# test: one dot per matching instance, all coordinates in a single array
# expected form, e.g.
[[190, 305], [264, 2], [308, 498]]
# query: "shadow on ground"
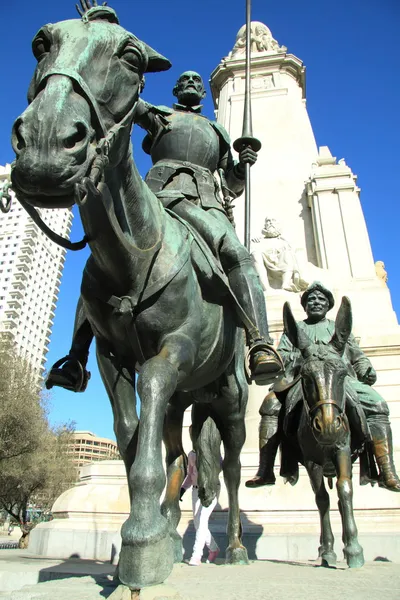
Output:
[[100, 571]]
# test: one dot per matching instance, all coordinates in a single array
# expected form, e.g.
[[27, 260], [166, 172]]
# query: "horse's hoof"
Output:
[[145, 564], [177, 546], [328, 559], [354, 561], [236, 556]]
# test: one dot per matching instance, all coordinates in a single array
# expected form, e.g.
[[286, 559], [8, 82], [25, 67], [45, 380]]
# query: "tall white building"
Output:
[[30, 273]]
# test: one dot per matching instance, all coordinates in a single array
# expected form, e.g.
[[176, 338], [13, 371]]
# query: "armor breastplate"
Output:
[[189, 137]]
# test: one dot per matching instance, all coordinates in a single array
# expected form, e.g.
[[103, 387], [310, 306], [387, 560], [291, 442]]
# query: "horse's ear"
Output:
[[157, 62], [343, 325], [297, 336]]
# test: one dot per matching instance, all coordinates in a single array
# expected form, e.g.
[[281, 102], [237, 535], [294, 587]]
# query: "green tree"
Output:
[[35, 467], [22, 411]]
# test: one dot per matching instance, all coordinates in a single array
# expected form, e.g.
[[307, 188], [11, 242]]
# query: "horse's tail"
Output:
[[208, 461]]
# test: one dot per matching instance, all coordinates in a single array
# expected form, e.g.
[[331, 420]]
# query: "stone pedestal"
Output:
[[88, 517]]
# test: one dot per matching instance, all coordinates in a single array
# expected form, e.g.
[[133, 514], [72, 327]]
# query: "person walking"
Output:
[[201, 515]]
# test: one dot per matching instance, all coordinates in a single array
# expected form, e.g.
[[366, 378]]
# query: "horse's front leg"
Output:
[[326, 552], [146, 555], [353, 552], [176, 462]]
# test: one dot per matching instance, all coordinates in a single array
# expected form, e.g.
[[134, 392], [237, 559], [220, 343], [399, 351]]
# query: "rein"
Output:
[[103, 150]]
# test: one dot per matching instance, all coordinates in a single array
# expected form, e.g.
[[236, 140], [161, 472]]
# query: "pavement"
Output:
[[77, 579]]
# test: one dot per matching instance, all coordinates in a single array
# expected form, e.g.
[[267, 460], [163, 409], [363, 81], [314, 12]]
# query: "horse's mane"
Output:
[[103, 12]]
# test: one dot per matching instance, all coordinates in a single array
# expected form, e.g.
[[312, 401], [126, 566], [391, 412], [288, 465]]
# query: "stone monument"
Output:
[[316, 199]]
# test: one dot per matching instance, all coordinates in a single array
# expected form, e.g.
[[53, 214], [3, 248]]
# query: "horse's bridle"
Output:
[[328, 402], [105, 145]]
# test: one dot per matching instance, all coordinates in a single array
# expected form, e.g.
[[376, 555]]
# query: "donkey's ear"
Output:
[[343, 325], [296, 335]]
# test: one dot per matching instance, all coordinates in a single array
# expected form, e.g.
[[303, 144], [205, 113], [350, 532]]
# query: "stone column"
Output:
[[278, 180], [281, 122], [342, 240]]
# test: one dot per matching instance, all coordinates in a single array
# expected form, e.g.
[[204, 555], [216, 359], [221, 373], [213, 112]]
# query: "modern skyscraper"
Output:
[[30, 273]]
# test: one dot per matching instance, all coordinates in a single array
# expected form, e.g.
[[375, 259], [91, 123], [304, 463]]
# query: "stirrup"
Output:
[[263, 378], [60, 377]]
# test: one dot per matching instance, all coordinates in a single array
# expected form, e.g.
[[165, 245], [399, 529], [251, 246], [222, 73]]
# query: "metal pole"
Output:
[[247, 139]]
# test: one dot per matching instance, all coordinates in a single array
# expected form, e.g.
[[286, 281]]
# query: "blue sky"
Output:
[[351, 50]]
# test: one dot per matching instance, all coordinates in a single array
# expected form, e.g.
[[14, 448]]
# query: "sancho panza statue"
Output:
[[187, 149], [317, 300]]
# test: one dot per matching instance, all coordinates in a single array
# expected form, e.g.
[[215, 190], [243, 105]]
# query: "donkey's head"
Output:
[[323, 375], [81, 101]]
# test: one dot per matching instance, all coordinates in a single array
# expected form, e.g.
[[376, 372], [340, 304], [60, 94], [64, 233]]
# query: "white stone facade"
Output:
[[30, 272], [316, 199]]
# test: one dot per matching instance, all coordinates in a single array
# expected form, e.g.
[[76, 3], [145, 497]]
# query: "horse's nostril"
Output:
[[338, 422], [79, 135], [17, 139], [317, 424]]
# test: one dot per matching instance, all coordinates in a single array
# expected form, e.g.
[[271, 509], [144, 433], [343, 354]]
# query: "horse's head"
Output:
[[81, 99], [323, 375]]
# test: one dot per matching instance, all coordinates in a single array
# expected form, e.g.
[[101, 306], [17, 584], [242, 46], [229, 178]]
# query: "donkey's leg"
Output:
[[352, 550], [176, 462], [325, 551], [230, 411], [146, 555]]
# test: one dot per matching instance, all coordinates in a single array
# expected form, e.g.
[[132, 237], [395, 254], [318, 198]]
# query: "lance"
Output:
[[247, 140]]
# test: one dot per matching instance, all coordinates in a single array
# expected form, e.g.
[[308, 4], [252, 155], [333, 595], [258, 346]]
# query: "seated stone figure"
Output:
[[275, 260], [317, 301]]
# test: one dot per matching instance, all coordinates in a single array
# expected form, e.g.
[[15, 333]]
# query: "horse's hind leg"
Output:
[[120, 387], [353, 552], [176, 463], [325, 551], [230, 411]]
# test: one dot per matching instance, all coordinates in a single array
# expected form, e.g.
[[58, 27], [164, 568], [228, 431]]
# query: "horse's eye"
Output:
[[132, 58], [40, 46]]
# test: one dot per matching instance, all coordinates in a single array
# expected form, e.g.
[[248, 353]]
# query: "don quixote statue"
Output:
[[167, 289]]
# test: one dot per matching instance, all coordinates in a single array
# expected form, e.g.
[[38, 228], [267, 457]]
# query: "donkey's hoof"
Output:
[[355, 560], [236, 556], [145, 564], [328, 559]]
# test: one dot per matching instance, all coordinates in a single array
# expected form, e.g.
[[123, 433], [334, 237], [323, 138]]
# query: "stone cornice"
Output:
[[265, 64]]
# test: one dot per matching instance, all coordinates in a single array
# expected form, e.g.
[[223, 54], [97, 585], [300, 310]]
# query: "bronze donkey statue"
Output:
[[323, 439]]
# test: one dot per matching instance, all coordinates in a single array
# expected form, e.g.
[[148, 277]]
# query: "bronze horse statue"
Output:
[[323, 440], [147, 290]]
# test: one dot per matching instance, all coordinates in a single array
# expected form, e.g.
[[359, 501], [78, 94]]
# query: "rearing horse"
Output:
[[144, 286]]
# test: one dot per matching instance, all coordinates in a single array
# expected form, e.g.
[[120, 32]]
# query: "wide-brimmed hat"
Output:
[[317, 285]]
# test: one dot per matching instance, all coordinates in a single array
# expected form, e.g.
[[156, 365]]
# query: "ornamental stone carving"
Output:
[[381, 272], [276, 261], [260, 38]]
